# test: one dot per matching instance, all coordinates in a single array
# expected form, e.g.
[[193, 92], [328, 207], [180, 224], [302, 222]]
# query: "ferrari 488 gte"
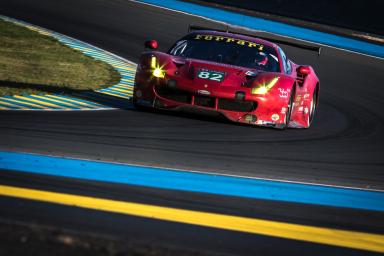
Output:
[[245, 78]]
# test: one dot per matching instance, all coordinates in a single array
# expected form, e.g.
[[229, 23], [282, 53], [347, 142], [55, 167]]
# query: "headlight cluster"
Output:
[[264, 87], [157, 71]]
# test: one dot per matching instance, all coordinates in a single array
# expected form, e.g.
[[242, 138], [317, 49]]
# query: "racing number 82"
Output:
[[215, 76]]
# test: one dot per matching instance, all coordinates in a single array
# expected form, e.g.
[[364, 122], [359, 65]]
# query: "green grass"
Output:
[[32, 63]]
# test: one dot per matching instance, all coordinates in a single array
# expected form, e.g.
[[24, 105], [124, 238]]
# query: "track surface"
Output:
[[187, 238], [344, 147]]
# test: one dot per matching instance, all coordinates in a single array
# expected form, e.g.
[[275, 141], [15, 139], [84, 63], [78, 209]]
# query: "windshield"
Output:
[[227, 50]]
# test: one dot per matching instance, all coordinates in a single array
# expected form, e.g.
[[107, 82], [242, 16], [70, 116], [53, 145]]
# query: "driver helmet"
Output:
[[261, 58]]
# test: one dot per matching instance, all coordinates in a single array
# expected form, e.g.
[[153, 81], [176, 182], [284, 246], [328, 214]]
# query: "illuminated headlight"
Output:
[[265, 87], [158, 72], [259, 90], [153, 62]]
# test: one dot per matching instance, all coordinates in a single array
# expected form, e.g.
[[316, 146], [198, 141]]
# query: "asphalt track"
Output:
[[344, 147]]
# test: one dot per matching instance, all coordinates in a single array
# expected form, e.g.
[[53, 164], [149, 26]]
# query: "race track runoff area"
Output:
[[94, 100]]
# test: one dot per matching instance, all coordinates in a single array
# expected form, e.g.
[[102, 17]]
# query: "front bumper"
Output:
[[252, 109], [243, 111]]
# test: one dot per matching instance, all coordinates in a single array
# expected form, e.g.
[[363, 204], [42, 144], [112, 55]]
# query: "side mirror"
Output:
[[151, 44], [304, 70]]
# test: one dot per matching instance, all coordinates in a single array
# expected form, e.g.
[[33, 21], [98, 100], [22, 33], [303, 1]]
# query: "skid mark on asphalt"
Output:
[[83, 101]]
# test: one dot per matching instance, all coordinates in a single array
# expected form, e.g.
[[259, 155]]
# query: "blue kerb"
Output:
[[193, 182]]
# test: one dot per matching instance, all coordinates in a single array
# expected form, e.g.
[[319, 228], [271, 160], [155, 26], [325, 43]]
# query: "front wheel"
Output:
[[289, 109], [136, 105], [312, 107]]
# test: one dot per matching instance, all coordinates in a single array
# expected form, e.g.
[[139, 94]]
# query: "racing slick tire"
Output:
[[289, 108], [313, 106], [136, 105]]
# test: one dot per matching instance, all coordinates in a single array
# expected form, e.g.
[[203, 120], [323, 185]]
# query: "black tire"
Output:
[[289, 108], [142, 107], [313, 106], [137, 106]]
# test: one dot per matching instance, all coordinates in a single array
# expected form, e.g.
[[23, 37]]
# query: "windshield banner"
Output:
[[229, 40]]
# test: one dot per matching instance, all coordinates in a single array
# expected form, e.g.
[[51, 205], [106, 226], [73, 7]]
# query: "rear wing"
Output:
[[277, 41]]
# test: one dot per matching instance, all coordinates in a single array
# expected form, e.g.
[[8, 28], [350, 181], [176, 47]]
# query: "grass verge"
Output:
[[32, 63]]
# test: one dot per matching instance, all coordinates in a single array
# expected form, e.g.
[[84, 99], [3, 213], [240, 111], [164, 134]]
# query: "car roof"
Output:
[[234, 35]]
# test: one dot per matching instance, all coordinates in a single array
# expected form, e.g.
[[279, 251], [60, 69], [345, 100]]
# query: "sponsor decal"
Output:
[[275, 117], [284, 92], [229, 40], [283, 110], [203, 92], [250, 118], [306, 96]]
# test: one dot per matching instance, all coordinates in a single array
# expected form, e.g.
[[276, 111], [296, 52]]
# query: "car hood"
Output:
[[233, 76]]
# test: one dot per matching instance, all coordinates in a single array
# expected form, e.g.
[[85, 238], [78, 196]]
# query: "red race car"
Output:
[[245, 78]]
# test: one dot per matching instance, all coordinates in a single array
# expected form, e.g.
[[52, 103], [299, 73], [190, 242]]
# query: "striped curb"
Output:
[[116, 96]]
